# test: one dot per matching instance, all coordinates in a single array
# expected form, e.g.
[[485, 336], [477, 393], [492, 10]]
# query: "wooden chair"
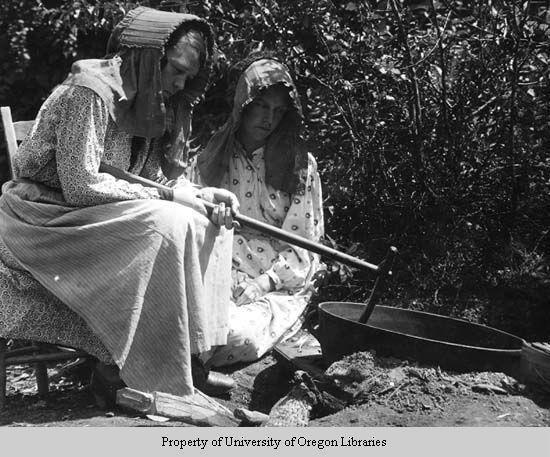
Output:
[[33, 352], [14, 132]]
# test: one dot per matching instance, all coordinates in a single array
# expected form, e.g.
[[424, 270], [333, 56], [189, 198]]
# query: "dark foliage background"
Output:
[[430, 121]]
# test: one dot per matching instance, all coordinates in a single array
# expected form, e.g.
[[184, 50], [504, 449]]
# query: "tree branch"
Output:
[[416, 106], [443, 68]]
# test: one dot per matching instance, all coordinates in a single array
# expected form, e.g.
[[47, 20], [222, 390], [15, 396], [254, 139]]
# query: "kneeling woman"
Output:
[[258, 156]]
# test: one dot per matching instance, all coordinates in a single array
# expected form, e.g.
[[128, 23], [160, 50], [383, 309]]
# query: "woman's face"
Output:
[[182, 64], [263, 114]]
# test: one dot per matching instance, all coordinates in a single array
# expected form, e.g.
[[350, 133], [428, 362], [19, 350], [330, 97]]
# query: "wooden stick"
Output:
[[385, 270], [196, 409], [3, 350], [250, 417], [262, 227], [20, 360]]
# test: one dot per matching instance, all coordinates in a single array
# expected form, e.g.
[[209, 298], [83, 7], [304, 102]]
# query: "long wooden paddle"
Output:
[[381, 270]]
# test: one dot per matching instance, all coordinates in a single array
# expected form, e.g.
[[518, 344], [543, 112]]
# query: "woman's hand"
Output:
[[194, 199], [227, 205], [250, 291], [187, 196], [216, 195]]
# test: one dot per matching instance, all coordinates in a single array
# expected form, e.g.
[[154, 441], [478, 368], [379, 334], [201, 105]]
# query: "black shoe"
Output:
[[104, 384], [218, 384], [210, 382]]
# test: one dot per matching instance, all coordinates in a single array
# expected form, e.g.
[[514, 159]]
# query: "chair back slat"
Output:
[[22, 128], [14, 132]]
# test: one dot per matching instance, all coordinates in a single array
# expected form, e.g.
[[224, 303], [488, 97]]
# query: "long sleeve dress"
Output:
[[256, 327], [148, 276]]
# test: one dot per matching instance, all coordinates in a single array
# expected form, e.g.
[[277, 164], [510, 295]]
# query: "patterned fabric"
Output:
[[149, 277], [73, 133], [256, 327], [29, 311]]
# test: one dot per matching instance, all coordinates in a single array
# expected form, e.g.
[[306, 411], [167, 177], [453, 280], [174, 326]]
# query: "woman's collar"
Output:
[[240, 148]]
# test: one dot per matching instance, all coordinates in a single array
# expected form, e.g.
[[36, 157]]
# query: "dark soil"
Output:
[[392, 392], [72, 400]]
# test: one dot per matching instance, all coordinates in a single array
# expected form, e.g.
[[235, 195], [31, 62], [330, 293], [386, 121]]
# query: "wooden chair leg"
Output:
[[41, 373], [3, 349]]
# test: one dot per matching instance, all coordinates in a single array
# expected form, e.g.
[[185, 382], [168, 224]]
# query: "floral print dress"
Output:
[[258, 326], [73, 133]]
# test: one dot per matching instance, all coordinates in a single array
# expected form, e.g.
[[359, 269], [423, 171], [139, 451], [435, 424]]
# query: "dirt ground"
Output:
[[383, 392], [392, 392]]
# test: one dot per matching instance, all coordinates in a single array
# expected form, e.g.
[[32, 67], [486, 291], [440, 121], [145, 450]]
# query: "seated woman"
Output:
[[109, 250], [258, 156]]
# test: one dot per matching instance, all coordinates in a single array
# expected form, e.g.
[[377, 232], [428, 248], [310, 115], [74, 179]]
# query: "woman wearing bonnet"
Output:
[[259, 156], [146, 270]]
